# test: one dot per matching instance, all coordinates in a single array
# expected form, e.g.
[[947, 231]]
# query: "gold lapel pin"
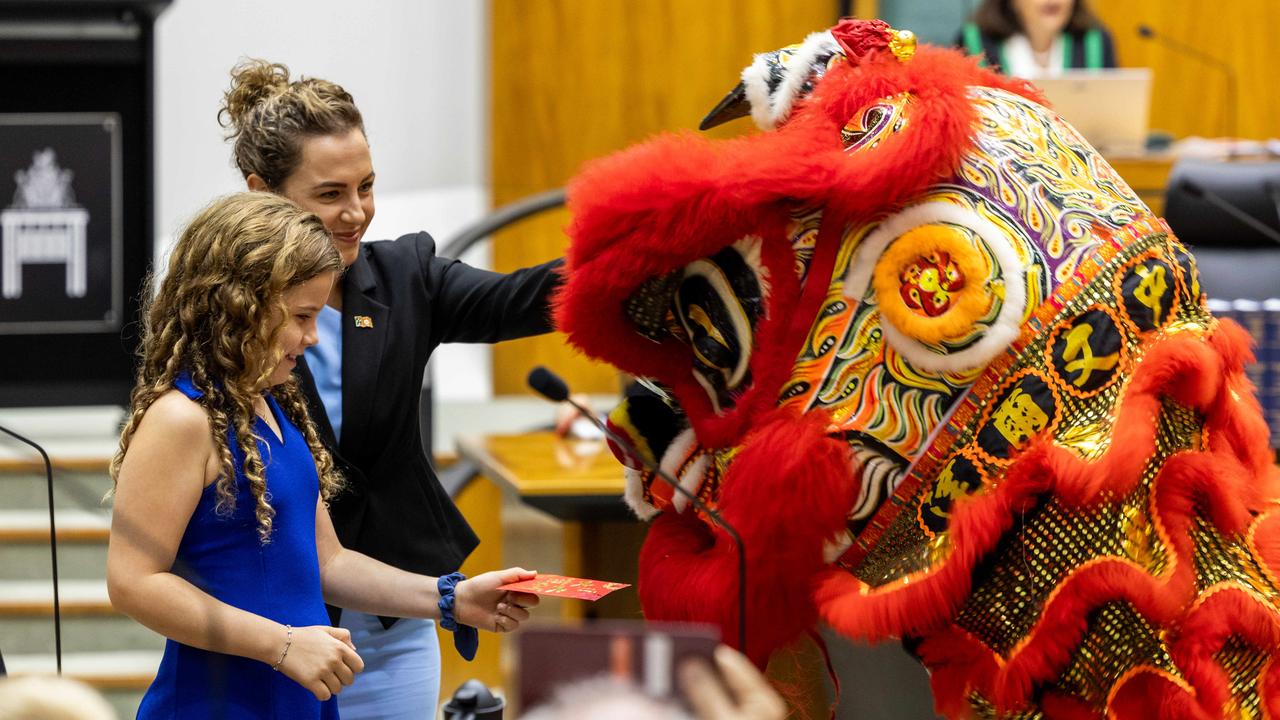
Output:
[[363, 321]]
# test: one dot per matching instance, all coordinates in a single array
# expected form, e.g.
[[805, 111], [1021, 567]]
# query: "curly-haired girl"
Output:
[[220, 539]]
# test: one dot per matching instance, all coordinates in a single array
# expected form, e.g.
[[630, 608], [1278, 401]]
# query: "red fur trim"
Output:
[[1213, 483], [1265, 540], [786, 493], [1186, 483], [1269, 689], [1239, 417], [1063, 707], [1048, 648], [1223, 612], [1148, 693], [953, 656]]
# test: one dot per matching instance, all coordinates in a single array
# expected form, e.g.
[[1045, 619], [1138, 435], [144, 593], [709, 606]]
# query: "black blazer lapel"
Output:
[[364, 332]]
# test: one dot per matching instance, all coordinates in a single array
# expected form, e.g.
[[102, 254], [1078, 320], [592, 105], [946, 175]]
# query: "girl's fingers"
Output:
[[524, 600], [515, 612]]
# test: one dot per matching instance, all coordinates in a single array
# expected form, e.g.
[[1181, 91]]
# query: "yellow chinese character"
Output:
[[1077, 346], [1018, 418], [1152, 288], [947, 488]]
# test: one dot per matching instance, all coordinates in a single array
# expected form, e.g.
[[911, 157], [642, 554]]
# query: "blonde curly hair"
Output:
[[217, 315]]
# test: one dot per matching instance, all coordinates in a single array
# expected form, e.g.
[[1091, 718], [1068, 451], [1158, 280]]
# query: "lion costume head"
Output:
[[948, 377]]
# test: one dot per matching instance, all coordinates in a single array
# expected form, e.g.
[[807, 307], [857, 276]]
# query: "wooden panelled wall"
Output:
[[1189, 97], [573, 80]]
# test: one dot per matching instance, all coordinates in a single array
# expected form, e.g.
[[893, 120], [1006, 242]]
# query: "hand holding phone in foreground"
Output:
[[744, 695]]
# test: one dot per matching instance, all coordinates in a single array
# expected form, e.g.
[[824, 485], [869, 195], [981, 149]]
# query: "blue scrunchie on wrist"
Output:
[[466, 639]]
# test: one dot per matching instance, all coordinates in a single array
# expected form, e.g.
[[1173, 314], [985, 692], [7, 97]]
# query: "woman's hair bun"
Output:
[[253, 82]]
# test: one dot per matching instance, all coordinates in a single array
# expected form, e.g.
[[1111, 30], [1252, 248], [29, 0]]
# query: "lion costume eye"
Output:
[[875, 122], [948, 283], [718, 303]]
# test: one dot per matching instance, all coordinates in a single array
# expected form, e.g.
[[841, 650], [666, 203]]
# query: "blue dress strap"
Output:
[[187, 386]]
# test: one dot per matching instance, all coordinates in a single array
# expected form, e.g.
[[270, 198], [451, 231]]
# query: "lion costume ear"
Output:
[[773, 83]]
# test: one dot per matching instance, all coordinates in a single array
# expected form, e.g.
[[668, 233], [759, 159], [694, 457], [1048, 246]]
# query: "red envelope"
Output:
[[561, 586]]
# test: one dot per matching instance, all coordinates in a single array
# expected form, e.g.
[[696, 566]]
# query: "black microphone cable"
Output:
[[53, 544], [552, 387]]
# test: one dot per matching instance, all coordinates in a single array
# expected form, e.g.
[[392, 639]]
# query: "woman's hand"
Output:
[[480, 604], [321, 659]]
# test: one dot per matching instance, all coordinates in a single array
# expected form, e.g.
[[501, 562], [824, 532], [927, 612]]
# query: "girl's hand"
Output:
[[321, 659], [482, 605]]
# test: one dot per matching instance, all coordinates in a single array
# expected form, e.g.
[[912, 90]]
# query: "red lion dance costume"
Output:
[[950, 380]]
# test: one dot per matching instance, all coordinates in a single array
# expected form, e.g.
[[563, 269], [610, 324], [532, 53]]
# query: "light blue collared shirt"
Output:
[[325, 361]]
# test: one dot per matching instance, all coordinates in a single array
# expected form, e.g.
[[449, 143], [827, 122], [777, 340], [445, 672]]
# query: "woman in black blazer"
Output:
[[397, 301], [1035, 38]]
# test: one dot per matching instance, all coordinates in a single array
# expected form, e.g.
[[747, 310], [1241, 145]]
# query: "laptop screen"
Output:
[[1110, 108]]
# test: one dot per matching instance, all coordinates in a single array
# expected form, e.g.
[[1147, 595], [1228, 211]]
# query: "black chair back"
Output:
[[1198, 189], [1202, 205]]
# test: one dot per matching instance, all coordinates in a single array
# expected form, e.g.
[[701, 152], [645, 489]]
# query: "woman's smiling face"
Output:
[[335, 181]]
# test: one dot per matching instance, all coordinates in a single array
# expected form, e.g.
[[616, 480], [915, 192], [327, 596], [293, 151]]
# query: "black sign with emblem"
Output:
[[60, 223]]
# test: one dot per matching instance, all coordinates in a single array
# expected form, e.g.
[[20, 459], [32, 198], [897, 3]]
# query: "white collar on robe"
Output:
[[1021, 59]]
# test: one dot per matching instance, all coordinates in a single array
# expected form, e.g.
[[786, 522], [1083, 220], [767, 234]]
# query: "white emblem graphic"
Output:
[[44, 225]]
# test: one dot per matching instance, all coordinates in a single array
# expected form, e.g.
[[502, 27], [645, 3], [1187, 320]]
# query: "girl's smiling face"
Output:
[[298, 329]]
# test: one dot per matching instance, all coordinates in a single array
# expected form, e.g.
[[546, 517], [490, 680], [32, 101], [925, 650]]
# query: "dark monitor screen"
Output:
[[1198, 189]]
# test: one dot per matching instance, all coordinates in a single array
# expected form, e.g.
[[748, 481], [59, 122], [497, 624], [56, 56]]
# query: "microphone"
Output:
[[1200, 192], [53, 549], [552, 387], [1233, 95]]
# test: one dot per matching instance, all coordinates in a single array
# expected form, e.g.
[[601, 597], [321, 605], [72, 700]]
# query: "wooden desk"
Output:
[[571, 480], [579, 483]]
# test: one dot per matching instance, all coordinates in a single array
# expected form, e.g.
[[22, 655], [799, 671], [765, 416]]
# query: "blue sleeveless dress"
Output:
[[222, 555]]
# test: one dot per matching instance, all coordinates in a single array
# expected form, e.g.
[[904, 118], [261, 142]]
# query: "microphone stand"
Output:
[[53, 545], [1233, 92], [666, 477]]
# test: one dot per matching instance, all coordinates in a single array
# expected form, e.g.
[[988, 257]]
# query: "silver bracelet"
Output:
[[288, 640]]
